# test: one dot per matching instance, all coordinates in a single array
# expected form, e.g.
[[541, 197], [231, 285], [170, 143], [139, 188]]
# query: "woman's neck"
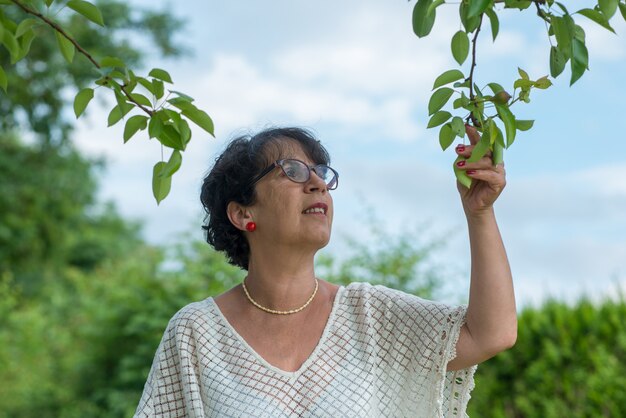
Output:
[[281, 283]]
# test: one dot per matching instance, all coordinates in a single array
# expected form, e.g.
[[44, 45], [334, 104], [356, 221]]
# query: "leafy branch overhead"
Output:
[[143, 102], [489, 108]]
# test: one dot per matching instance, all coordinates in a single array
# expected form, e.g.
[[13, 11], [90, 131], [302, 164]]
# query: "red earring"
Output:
[[250, 226]]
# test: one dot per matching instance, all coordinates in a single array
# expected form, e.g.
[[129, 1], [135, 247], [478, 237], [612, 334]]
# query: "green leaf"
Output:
[[498, 138], [182, 95], [462, 101], [446, 136], [495, 23], [141, 99], [434, 5], [608, 7], [557, 62], [622, 10], [476, 7], [469, 23], [81, 101], [579, 33], [184, 131], [171, 138], [146, 84], [11, 44], [117, 113], [200, 118], [563, 34], [24, 26], [155, 126], [524, 125], [509, 123], [458, 127], [3, 79], [597, 17], [439, 99], [438, 118], [161, 185], [181, 103], [498, 152], [523, 74], [580, 60], [159, 89], [523, 84], [112, 62], [495, 87], [517, 4], [49, 2], [134, 124], [543, 83], [86, 9], [66, 47], [173, 164], [481, 148], [25, 42], [460, 46], [562, 7], [160, 75], [423, 21], [461, 176]]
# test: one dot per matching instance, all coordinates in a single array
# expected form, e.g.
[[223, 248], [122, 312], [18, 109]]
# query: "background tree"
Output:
[[40, 83], [163, 113]]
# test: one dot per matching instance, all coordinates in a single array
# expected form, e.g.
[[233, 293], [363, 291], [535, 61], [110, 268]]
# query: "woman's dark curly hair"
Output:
[[230, 180]]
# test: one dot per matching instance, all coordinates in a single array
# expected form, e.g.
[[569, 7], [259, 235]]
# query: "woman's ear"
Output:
[[238, 215]]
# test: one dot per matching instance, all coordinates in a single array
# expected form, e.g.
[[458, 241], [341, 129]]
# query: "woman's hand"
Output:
[[488, 180]]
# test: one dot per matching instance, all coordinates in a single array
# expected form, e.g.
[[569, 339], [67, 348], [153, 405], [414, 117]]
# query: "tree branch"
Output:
[[473, 66], [80, 49]]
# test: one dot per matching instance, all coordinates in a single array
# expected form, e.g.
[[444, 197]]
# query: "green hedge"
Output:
[[569, 361]]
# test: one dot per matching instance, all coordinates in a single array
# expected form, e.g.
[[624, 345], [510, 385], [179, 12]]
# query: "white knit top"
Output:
[[383, 353]]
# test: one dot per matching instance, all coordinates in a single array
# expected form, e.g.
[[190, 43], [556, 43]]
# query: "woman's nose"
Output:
[[316, 183]]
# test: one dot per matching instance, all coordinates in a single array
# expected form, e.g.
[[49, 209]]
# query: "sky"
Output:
[[354, 73]]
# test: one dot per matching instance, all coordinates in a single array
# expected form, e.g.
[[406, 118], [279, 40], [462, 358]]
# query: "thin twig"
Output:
[[57, 28], [473, 66], [80, 49]]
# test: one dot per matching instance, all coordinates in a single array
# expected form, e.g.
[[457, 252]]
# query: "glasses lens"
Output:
[[295, 170], [327, 174], [299, 172]]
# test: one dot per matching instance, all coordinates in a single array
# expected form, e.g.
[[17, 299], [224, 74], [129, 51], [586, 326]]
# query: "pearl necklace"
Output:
[[272, 311]]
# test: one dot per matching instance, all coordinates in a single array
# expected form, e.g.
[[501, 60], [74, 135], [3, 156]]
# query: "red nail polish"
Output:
[[461, 163], [460, 148], [471, 172]]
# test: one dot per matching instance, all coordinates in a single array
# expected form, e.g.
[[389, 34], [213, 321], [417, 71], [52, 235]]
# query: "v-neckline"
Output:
[[267, 364]]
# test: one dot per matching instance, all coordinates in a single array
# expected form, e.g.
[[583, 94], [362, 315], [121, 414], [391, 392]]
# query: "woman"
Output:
[[287, 344]]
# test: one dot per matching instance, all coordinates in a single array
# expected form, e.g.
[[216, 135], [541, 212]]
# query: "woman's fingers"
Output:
[[465, 151], [472, 134], [485, 163], [496, 178]]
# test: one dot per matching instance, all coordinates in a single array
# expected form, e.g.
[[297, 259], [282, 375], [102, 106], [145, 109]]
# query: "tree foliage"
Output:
[[50, 217], [37, 35], [568, 361], [488, 108]]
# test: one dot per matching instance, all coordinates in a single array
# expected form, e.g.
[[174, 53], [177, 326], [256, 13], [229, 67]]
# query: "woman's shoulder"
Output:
[[362, 295], [364, 291], [192, 315]]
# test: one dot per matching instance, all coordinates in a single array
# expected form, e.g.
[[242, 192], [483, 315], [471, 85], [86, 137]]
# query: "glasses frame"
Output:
[[278, 163]]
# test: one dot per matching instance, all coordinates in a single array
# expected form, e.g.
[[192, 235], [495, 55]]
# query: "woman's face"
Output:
[[283, 208]]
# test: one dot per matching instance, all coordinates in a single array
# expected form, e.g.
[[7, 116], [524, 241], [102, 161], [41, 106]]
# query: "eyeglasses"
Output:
[[299, 172]]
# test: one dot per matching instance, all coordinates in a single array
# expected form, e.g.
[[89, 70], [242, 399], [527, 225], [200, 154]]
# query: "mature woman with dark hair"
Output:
[[285, 343]]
